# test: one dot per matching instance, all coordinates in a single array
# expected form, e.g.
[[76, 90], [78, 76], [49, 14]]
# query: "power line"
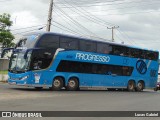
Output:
[[73, 21], [144, 5], [93, 2], [127, 37], [89, 16], [104, 4], [67, 21], [65, 27], [70, 30], [99, 20], [27, 27], [29, 30], [93, 34], [129, 13]]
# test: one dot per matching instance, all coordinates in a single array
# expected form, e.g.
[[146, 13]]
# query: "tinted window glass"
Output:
[[68, 43], [104, 48], [49, 41], [152, 55], [89, 46], [93, 68], [119, 50], [41, 59], [135, 53]]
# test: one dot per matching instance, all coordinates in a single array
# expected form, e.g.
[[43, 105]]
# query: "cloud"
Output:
[[138, 20], [24, 19]]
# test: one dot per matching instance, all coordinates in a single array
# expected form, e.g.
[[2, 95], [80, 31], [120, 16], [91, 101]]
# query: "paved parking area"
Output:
[[28, 99]]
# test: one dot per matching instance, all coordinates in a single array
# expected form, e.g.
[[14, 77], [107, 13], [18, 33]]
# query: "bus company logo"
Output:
[[91, 57], [141, 67]]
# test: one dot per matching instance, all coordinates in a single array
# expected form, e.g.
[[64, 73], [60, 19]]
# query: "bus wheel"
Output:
[[155, 89], [73, 84], [140, 86], [131, 86], [57, 84]]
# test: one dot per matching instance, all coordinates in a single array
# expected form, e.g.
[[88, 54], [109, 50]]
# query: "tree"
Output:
[[6, 37]]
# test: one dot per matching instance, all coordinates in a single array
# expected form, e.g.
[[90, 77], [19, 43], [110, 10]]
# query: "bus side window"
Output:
[[88, 46], [49, 41], [134, 53], [68, 43], [118, 50], [104, 48], [126, 51], [156, 56]]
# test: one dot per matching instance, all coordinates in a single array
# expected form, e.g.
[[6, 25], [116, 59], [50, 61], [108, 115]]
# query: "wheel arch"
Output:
[[132, 80]]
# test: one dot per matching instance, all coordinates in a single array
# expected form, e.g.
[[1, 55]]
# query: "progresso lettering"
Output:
[[90, 57]]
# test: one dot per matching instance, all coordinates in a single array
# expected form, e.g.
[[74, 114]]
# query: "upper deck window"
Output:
[[120, 50], [89, 46], [68, 43], [104, 48], [152, 55], [49, 41]]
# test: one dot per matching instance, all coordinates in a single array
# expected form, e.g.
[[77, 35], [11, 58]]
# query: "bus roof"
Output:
[[88, 39]]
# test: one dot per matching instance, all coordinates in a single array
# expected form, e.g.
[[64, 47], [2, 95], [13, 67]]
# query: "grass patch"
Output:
[[4, 72]]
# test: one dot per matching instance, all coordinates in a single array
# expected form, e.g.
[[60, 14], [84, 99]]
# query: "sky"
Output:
[[137, 22]]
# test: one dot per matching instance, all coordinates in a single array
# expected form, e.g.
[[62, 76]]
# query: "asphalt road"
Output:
[[14, 98]]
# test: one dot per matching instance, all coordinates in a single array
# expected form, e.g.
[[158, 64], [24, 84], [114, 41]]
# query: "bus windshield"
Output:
[[18, 63]]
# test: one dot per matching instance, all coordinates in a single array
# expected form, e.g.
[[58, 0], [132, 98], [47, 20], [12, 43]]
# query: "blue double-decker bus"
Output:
[[59, 61]]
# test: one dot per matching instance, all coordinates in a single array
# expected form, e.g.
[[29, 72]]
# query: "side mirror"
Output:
[[4, 51]]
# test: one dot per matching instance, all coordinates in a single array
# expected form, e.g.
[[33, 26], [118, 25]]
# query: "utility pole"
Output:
[[114, 27], [49, 16]]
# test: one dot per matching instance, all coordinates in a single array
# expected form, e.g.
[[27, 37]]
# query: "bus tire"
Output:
[[73, 84], [156, 89], [140, 86], [131, 86], [57, 84]]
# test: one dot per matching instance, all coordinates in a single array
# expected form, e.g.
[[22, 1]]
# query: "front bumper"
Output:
[[17, 82]]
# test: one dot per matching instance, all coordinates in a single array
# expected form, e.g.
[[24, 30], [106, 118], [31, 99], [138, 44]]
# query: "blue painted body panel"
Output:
[[45, 77]]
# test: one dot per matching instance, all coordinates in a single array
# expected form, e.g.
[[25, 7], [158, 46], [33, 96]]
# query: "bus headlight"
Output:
[[25, 77]]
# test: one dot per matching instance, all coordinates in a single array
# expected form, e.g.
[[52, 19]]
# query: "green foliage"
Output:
[[6, 37], [3, 72]]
